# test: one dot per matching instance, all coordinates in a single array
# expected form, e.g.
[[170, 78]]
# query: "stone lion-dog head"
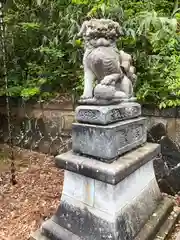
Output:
[[100, 32]]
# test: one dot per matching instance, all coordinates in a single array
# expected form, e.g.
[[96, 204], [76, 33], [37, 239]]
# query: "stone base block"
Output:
[[115, 209], [92, 209], [158, 220], [107, 114], [85, 222], [107, 197], [108, 142]]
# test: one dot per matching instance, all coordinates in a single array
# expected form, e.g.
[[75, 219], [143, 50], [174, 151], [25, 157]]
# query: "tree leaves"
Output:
[[43, 48]]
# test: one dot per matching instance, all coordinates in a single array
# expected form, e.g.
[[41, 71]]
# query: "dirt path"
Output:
[[35, 197]]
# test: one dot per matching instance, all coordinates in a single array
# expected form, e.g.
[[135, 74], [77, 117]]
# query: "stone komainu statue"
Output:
[[102, 61]]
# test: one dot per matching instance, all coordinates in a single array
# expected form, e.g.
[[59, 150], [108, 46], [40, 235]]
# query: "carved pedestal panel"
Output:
[[108, 142], [107, 114]]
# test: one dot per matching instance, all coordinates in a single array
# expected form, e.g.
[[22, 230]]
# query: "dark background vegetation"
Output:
[[44, 55]]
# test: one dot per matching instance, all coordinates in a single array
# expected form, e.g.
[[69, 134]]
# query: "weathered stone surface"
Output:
[[104, 196], [158, 226], [38, 236], [165, 131], [103, 102], [110, 173], [151, 229], [98, 210], [107, 114], [169, 224], [138, 211], [111, 198], [86, 187], [55, 232], [149, 110], [108, 142], [45, 135], [104, 62], [91, 223]]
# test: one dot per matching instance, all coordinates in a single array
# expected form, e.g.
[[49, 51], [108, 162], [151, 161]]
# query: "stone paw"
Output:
[[120, 94], [83, 97], [107, 81]]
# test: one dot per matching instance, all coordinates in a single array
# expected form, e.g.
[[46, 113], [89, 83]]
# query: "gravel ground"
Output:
[[34, 198]]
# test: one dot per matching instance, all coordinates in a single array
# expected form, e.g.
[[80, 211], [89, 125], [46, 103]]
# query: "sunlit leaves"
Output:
[[80, 1], [30, 92]]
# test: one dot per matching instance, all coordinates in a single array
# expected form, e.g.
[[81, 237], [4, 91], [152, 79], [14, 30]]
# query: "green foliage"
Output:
[[44, 55], [160, 83]]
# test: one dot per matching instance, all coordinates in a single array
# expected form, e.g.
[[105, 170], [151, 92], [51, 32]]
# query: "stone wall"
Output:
[[40, 127], [164, 128], [47, 128]]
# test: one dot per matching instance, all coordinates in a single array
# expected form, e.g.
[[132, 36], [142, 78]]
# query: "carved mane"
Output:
[[96, 28]]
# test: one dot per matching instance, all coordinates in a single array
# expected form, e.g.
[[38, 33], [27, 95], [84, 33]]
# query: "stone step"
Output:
[[37, 235], [57, 232], [157, 220], [148, 232], [168, 226]]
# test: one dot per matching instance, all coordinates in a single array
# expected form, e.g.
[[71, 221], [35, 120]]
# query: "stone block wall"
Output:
[[40, 127]]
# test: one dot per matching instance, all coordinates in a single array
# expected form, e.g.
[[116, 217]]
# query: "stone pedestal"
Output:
[[104, 131], [110, 190], [107, 114]]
